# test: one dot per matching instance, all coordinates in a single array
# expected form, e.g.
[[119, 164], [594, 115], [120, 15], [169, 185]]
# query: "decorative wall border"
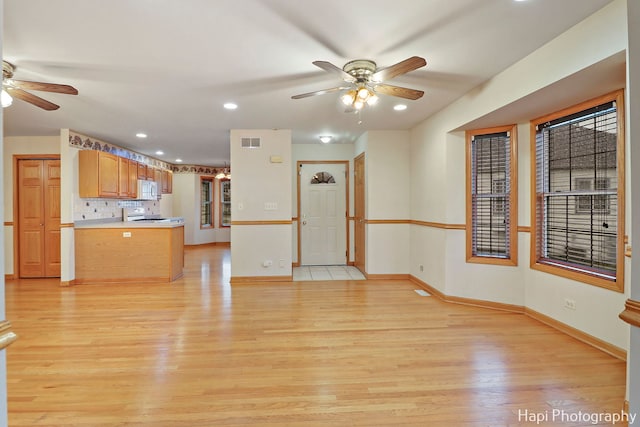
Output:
[[85, 142]]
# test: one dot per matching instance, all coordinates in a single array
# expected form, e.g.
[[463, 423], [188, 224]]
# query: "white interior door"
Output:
[[323, 223]]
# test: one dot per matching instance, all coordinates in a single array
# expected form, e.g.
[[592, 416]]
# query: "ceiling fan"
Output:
[[366, 81], [17, 89]]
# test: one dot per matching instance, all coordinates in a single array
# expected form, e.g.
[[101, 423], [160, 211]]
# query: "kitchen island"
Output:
[[120, 252]]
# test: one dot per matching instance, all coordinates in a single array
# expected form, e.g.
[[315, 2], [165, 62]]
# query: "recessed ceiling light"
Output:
[[159, 152], [178, 160], [141, 135], [400, 107], [325, 138], [230, 106]]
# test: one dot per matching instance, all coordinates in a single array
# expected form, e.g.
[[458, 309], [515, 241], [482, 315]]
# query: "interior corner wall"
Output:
[[633, 120], [19, 145], [261, 244], [388, 193], [438, 188]]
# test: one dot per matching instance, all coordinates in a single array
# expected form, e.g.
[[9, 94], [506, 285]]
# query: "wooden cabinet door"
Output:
[[133, 179], [123, 177], [142, 171], [167, 182], [39, 218], [107, 175]]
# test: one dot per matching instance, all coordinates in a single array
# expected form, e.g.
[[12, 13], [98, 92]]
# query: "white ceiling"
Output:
[[165, 67]]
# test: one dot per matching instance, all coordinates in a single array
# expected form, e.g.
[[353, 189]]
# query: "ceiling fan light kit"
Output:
[[12, 88], [366, 79]]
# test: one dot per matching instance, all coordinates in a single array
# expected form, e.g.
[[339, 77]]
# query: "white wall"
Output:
[[437, 151], [261, 204], [387, 197]]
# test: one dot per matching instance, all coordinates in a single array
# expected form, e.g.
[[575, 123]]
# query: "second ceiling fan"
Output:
[[366, 81]]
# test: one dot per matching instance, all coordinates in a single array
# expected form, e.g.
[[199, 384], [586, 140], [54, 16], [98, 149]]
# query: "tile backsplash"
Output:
[[84, 209]]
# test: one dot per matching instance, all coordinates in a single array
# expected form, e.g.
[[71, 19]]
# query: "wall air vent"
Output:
[[250, 142]]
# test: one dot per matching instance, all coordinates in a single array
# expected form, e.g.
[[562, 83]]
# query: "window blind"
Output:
[[577, 197], [490, 189]]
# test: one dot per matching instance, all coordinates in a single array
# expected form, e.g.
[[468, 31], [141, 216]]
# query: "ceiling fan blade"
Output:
[[401, 67], [319, 92], [328, 66], [45, 87], [32, 99], [401, 92]]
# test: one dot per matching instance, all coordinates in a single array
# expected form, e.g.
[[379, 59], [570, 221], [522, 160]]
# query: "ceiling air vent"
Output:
[[250, 142]]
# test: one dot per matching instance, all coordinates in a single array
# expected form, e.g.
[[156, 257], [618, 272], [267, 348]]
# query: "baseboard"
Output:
[[9, 276], [467, 301], [259, 279], [611, 349], [387, 276], [625, 407], [67, 283], [200, 245]]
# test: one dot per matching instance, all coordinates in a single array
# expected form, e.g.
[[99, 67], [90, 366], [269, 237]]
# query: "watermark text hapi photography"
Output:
[[563, 416]]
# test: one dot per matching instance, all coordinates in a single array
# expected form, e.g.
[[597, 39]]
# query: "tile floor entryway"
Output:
[[328, 272]]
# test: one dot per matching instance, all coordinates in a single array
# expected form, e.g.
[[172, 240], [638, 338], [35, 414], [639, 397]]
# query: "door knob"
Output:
[[304, 222]]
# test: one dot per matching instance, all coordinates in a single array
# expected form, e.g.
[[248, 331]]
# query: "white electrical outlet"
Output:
[[267, 263], [570, 303], [126, 234]]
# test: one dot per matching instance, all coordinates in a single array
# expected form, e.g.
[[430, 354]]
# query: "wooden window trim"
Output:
[[513, 198], [221, 204], [212, 181], [556, 268]]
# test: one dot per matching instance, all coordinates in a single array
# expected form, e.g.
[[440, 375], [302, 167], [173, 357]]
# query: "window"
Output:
[[206, 201], [578, 205], [225, 202], [492, 196]]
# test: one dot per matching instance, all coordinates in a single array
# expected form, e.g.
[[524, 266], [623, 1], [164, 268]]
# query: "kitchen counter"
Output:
[[158, 223], [130, 251]]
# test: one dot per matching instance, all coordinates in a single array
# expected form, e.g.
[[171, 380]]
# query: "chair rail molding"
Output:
[[631, 313], [7, 336]]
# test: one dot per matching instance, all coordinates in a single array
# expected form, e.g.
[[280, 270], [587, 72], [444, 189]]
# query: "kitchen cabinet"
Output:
[[142, 171], [157, 177], [123, 177], [133, 179], [167, 182], [152, 253], [98, 172]]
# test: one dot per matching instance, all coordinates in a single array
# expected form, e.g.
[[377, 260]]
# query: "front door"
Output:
[[359, 217], [39, 218], [323, 214]]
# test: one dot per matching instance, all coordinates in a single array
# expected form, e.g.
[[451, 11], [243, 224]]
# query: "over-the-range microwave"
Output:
[[147, 190]]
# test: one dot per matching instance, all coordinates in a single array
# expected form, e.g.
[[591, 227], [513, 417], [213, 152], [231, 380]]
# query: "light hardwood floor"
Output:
[[199, 352]]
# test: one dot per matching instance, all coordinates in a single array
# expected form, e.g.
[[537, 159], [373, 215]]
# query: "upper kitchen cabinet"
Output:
[[104, 175], [98, 172], [133, 179], [142, 171], [123, 177], [167, 182]]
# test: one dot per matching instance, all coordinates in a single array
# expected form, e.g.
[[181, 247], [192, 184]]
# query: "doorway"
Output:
[[322, 210], [38, 216]]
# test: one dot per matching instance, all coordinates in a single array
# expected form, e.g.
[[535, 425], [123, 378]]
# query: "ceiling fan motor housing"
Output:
[[361, 69]]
